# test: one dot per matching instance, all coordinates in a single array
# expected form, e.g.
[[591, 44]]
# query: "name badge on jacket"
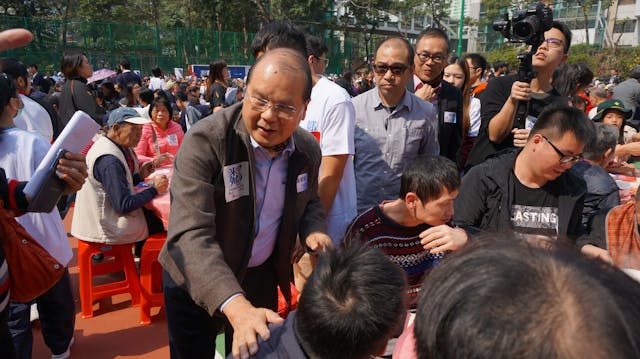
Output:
[[236, 181], [302, 183], [449, 117], [172, 139]]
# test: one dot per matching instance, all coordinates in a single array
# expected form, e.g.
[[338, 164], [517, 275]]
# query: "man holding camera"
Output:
[[498, 129]]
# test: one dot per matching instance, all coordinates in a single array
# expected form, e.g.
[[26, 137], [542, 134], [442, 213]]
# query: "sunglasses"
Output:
[[396, 69]]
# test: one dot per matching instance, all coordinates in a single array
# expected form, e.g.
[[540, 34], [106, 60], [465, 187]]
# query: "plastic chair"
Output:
[[151, 277], [116, 258]]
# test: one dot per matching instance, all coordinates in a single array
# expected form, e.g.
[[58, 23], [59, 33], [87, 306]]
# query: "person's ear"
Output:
[[411, 199]]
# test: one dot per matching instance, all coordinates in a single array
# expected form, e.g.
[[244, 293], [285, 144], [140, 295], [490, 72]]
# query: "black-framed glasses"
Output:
[[435, 58], [325, 60], [396, 69], [554, 43], [564, 159], [283, 112]]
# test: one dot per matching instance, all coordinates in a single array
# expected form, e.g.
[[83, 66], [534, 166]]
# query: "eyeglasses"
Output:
[[436, 59], [326, 61], [396, 69], [564, 159], [283, 112], [554, 43]]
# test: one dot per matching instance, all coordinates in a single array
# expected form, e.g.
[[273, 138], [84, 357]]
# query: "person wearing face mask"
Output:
[[500, 100]]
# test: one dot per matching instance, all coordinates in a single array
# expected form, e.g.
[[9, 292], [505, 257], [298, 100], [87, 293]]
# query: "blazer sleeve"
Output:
[[313, 218], [192, 243], [471, 204]]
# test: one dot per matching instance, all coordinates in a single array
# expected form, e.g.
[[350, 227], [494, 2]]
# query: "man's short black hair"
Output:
[[14, 68], [156, 71], [427, 176], [146, 95], [180, 95], [410, 51], [276, 34], [566, 32], [433, 32], [315, 47], [507, 298], [498, 64], [477, 60], [125, 64], [33, 65], [557, 120], [353, 301]]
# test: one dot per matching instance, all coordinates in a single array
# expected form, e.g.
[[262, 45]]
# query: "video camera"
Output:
[[527, 26]]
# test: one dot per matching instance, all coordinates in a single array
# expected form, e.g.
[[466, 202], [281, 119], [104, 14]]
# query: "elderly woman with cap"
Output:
[[108, 209]]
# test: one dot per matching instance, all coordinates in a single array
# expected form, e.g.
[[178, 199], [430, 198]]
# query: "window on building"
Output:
[[625, 26]]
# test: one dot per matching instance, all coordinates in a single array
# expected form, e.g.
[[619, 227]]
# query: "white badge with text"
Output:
[[236, 181], [449, 117], [172, 139], [302, 183]]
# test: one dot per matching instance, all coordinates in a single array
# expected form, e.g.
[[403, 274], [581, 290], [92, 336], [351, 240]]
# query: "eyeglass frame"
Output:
[[435, 58], [325, 59], [283, 112], [564, 159], [396, 69], [554, 40]]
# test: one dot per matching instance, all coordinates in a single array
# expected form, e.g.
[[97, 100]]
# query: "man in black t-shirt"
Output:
[[529, 190], [500, 100]]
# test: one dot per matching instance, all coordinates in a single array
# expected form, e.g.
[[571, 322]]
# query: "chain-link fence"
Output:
[[105, 44]]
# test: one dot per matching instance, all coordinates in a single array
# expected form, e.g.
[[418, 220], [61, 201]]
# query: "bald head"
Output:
[[287, 61], [398, 42]]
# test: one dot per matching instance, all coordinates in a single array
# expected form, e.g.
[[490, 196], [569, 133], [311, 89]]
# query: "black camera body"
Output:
[[527, 26]]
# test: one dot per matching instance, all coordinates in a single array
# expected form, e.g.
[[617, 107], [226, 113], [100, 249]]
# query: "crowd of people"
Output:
[[418, 215]]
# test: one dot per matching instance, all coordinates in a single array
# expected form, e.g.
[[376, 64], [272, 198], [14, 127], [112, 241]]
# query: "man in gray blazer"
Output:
[[245, 184]]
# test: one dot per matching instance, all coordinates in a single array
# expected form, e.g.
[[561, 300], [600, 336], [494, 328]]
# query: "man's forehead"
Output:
[[434, 43]]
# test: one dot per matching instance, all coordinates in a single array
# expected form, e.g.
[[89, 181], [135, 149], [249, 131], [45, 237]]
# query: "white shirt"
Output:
[[157, 83], [34, 118], [474, 117], [331, 115], [20, 155]]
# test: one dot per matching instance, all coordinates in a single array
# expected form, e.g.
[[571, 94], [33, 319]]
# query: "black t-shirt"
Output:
[[492, 100], [534, 210]]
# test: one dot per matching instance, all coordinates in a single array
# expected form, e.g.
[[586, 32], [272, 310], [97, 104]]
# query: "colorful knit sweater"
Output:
[[401, 244]]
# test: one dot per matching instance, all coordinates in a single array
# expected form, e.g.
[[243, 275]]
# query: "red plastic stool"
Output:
[[151, 276], [116, 258]]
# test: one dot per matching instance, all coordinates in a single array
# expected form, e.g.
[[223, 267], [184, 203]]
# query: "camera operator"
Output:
[[500, 99]]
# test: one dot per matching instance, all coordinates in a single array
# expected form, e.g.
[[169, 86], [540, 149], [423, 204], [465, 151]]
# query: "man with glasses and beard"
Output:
[[393, 126]]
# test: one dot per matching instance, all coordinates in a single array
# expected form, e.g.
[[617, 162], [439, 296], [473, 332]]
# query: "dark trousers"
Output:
[[6, 343], [192, 331], [57, 319]]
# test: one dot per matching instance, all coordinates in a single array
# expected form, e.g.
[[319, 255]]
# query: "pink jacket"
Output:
[[168, 141]]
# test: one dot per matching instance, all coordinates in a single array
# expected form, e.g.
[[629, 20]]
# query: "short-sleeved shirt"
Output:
[[386, 140], [330, 117]]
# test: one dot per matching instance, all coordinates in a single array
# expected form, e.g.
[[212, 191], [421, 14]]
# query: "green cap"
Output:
[[612, 104]]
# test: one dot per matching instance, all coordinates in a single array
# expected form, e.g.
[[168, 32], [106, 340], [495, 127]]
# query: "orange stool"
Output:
[[151, 276], [116, 258]]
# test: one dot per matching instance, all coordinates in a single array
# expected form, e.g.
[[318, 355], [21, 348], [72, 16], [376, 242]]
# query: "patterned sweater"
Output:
[[401, 244]]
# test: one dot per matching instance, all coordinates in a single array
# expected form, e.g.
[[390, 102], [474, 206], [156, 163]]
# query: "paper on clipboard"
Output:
[[74, 137]]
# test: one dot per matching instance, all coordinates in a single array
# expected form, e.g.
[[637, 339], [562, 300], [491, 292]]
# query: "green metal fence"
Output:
[[147, 46]]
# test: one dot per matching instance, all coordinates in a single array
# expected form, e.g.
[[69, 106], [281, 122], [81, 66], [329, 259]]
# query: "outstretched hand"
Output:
[[442, 238]]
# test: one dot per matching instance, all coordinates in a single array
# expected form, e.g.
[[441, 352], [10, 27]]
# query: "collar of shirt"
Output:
[[259, 149], [405, 102]]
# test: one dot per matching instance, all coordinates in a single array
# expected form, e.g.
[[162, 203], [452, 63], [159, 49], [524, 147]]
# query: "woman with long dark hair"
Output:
[[75, 94], [217, 83]]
